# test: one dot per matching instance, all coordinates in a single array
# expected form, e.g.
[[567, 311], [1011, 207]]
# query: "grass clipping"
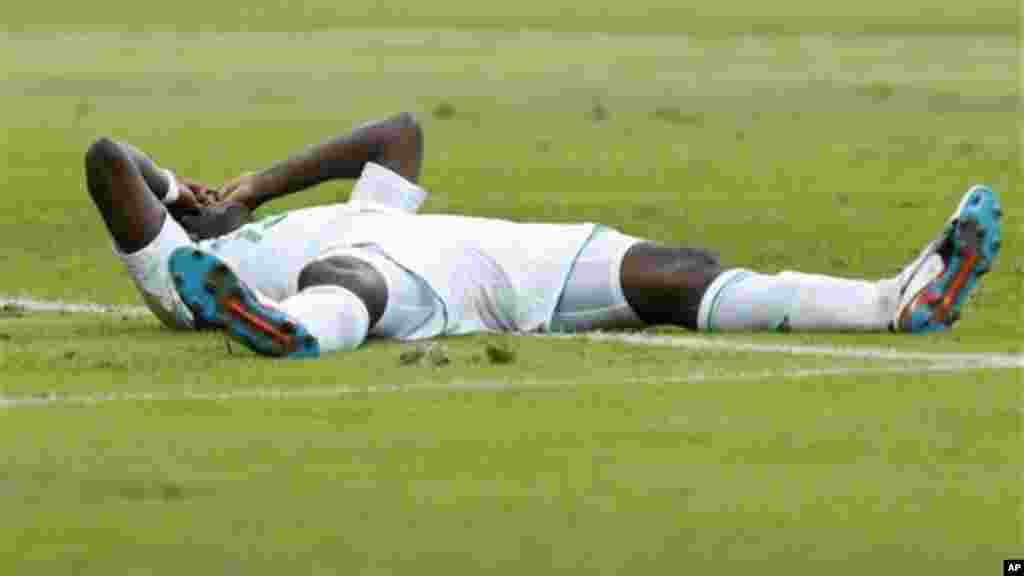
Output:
[[496, 351]]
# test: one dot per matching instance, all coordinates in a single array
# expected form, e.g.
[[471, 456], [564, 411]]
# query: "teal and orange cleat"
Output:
[[217, 296], [934, 287]]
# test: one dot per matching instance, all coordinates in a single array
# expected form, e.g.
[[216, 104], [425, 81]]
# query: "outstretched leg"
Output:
[[689, 288]]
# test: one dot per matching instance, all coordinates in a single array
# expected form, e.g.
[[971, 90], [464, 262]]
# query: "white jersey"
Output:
[[269, 253], [487, 274]]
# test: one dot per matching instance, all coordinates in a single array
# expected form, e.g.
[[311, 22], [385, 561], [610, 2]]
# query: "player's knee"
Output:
[[690, 272], [353, 274], [695, 270], [703, 262], [665, 285], [687, 267]]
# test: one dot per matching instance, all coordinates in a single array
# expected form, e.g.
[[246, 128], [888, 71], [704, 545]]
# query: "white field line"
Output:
[[50, 399], [33, 305], [991, 360], [978, 360]]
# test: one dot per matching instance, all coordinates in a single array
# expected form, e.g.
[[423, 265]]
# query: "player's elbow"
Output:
[[401, 148], [407, 119], [411, 129], [104, 158], [102, 152]]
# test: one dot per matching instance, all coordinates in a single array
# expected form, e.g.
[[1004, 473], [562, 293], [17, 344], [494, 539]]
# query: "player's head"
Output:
[[213, 221]]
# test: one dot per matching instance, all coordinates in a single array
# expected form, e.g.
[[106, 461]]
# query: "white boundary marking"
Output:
[[48, 399], [902, 362], [979, 359], [33, 305]]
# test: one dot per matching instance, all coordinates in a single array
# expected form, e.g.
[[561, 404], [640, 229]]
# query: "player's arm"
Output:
[[192, 203], [395, 142], [189, 195], [156, 178]]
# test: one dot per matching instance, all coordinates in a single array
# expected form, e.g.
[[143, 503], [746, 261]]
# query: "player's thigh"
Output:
[[593, 297], [665, 285]]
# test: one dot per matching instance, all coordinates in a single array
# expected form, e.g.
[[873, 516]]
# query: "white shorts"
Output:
[[591, 300], [149, 270]]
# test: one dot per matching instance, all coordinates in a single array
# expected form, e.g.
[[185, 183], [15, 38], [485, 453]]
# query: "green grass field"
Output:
[[787, 135]]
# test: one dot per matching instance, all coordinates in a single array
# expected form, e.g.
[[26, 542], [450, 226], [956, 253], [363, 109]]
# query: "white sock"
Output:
[[744, 300], [336, 317]]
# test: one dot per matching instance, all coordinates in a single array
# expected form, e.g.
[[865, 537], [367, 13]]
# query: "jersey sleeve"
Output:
[[380, 189]]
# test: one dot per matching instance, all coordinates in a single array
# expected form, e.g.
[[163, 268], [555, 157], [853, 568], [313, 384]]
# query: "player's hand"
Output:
[[193, 195], [214, 220], [203, 194], [242, 189], [186, 201]]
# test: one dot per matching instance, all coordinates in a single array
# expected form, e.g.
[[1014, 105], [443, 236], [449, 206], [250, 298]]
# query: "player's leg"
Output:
[[342, 298], [689, 288], [664, 285], [399, 305], [319, 318], [743, 300]]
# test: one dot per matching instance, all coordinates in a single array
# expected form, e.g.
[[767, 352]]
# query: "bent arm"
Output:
[[158, 179], [396, 143], [155, 177]]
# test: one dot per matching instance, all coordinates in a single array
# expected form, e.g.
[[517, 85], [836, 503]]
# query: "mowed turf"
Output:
[[645, 17], [791, 148]]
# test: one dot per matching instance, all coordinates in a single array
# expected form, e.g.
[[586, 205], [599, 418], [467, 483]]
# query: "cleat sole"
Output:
[[973, 240], [217, 296]]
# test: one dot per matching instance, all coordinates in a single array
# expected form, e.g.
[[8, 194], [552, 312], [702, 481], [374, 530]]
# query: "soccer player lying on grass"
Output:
[[322, 279]]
